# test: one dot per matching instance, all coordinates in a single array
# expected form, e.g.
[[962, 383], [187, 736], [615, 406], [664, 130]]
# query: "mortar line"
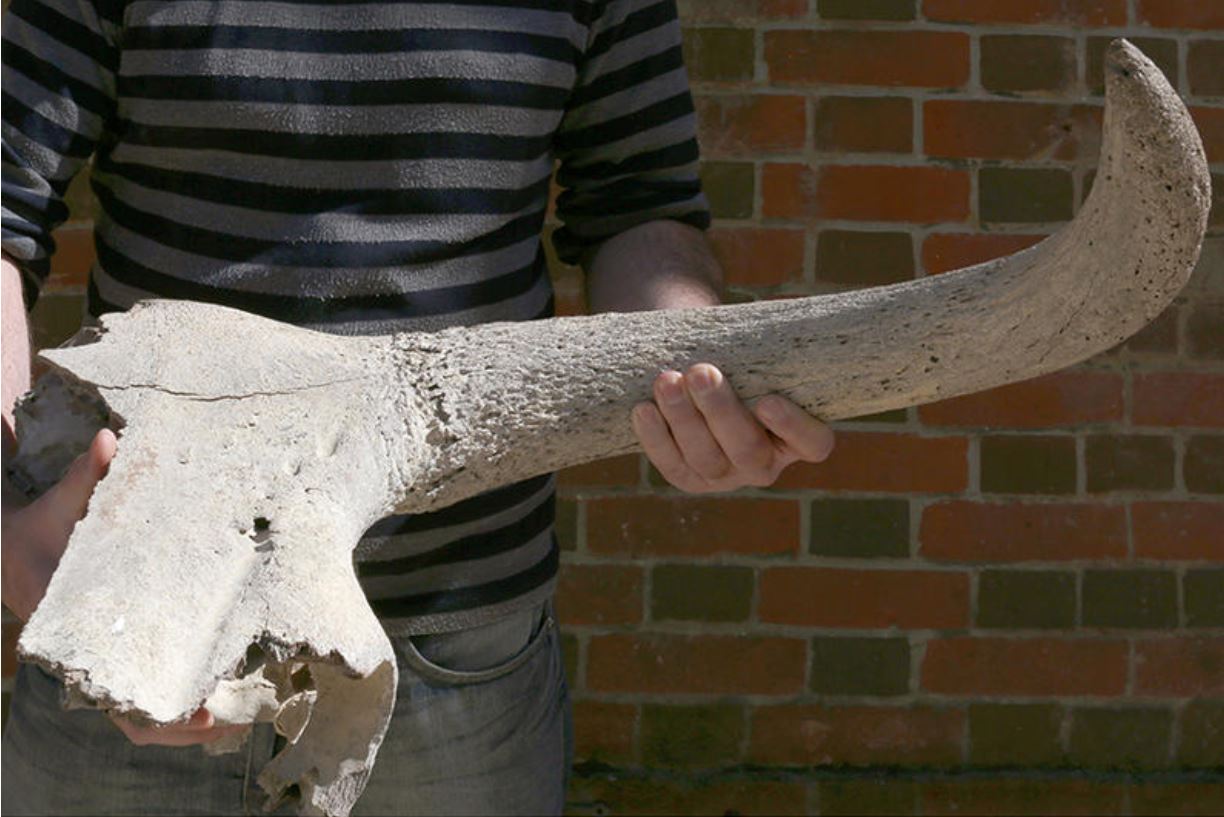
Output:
[[1081, 466], [648, 567], [1179, 464], [1183, 65], [1064, 28], [1183, 618]]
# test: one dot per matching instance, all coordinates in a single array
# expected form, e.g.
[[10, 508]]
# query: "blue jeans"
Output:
[[481, 726]]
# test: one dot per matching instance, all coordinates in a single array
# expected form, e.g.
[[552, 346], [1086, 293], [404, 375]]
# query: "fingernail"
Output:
[[670, 390], [702, 379]]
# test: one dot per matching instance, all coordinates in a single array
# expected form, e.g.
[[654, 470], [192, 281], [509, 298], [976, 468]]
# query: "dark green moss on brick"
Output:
[[1202, 735], [1205, 64], [1159, 336], [1024, 196], [569, 658], [860, 666], [1017, 63], [1203, 467], [860, 528], [1015, 734], [567, 524], [864, 259], [1162, 52], [719, 54], [1215, 218], [1132, 739], [1028, 464], [1023, 599], [1205, 331], [692, 736], [867, 797], [1204, 597], [1130, 598], [729, 188], [867, 9], [701, 593], [1129, 463]]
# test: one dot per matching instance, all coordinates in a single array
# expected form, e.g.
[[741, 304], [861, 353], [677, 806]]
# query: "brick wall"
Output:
[[1010, 602], [1007, 602]]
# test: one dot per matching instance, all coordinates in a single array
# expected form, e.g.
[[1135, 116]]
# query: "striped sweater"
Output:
[[360, 168]]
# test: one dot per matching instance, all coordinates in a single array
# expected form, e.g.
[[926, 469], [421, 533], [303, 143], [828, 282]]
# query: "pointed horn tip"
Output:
[[1124, 58]]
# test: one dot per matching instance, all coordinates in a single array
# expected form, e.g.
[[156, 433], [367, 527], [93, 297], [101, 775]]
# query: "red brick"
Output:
[[943, 252], [1081, 12], [923, 195], [1179, 399], [1205, 330], [614, 472], [706, 665], [867, 599], [1178, 530], [796, 734], [749, 125], [569, 302], [880, 461], [1210, 123], [12, 632], [759, 257], [603, 732], [1023, 797], [857, 124], [74, 255], [686, 526], [1161, 799], [599, 595], [1054, 400], [569, 291], [709, 11], [1180, 667], [788, 191], [924, 59], [1206, 15], [1022, 666], [965, 531], [970, 129]]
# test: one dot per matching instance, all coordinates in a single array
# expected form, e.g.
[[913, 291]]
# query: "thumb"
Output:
[[71, 494]]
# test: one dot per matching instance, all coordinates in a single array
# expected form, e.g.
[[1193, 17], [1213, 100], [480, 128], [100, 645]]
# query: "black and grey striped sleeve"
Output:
[[627, 143], [60, 59]]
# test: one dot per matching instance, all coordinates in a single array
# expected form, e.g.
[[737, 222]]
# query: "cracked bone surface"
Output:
[[254, 454]]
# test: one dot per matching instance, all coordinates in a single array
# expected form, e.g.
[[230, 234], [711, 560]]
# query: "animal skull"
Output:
[[255, 454]]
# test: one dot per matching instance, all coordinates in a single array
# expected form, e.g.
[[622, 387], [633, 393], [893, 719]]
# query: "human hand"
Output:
[[200, 728], [36, 535], [702, 438]]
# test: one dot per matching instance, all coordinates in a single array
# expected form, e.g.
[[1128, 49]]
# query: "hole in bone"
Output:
[[255, 658], [301, 679], [261, 533]]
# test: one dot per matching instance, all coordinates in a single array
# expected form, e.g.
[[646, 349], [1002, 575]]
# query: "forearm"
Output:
[[16, 347], [657, 265]]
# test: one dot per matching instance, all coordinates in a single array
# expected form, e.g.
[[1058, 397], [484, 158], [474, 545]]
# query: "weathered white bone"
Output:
[[253, 454]]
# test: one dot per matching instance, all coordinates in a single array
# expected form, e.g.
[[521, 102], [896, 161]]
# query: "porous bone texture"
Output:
[[254, 454]]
